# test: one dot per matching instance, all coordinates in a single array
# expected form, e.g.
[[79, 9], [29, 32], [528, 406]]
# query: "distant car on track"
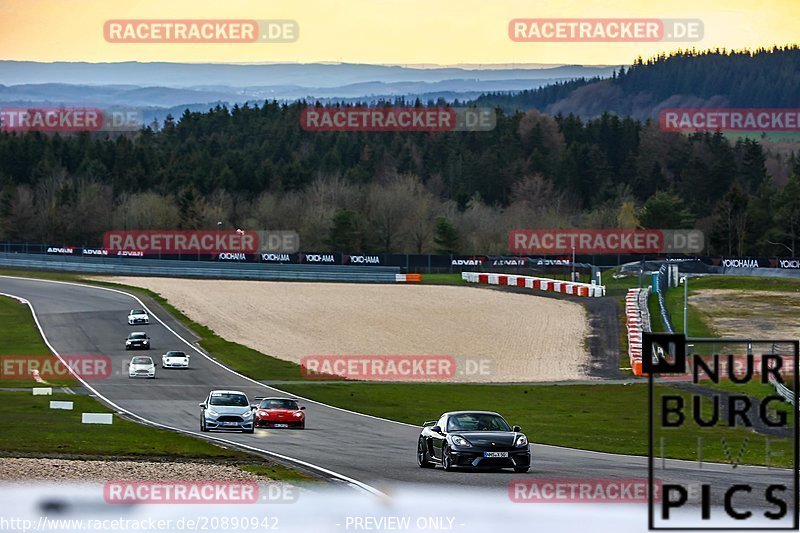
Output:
[[279, 413], [142, 366], [473, 439], [137, 339], [227, 410], [175, 359], [138, 316]]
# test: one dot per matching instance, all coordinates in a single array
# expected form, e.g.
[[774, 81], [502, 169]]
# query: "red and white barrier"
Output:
[[532, 282], [634, 322]]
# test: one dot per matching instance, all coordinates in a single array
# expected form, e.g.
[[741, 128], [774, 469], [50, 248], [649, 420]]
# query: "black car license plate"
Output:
[[495, 454]]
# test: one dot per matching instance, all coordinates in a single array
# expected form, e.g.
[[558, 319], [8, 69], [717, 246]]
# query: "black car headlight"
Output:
[[461, 441], [522, 440]]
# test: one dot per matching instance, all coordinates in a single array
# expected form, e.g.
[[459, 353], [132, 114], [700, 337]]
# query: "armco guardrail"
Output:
[[783, 391], [662, 304], [200, 269], [544, 284]]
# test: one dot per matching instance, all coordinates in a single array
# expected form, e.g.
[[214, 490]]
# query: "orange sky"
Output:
[[443, 32]]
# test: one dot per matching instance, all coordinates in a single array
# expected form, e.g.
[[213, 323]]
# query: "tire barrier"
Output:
[[408, 278], [637, 320], [542, 284]]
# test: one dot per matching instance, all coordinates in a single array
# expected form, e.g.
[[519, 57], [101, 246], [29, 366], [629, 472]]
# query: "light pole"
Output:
[[685, 281], [573, 265]]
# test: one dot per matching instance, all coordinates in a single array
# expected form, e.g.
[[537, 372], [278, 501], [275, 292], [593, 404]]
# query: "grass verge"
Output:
[[606, 418], [20, 340], [33, 429]]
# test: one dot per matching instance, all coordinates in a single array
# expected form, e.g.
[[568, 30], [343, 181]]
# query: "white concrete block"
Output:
[[97, 418]]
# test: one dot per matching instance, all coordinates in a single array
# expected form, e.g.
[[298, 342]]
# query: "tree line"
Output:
[[254, 167]]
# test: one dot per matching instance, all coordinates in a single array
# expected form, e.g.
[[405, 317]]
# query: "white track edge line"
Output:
[[354, 482]]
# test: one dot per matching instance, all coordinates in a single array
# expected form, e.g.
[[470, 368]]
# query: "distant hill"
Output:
[[204, 75], [719, 78], [173, 87]]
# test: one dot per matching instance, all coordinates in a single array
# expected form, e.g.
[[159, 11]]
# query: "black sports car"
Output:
[[136, 340], [473, 439]]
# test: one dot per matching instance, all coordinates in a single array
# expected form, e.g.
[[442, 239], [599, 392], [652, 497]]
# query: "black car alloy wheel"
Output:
[[422, 455], [447, 461]]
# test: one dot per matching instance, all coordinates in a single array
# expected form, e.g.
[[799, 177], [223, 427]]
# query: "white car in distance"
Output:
[[142, 366], [138, 316], [175, 359]]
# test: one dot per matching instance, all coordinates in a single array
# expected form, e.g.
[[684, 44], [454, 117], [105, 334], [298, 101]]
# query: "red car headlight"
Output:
[[299, 414], [261, 413]]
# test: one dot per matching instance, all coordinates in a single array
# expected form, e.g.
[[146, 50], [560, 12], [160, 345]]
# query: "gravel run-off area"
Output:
[[510, 337]]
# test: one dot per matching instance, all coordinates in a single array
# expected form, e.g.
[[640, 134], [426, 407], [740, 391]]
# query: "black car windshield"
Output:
[[274, 403], [137, 336], [176, 354], [137, 312], [232, 400], [142, 361], [477, 422]]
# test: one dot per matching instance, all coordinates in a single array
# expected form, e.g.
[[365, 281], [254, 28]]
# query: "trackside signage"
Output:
[[744, 422], [183, 242], [604, 241], [580, 491], [379, 367]]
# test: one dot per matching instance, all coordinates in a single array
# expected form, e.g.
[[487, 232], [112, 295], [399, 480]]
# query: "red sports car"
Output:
[[279, 413]]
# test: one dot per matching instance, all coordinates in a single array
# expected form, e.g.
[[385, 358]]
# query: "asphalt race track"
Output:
[[78, 319]]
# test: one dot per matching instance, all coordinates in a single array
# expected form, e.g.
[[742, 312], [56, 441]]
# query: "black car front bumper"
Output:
[[137, 346], [475, 458]]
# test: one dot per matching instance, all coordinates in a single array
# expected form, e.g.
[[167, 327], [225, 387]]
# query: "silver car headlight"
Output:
[[522, 440], [247, 414], [461, 441], [212, 412]]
